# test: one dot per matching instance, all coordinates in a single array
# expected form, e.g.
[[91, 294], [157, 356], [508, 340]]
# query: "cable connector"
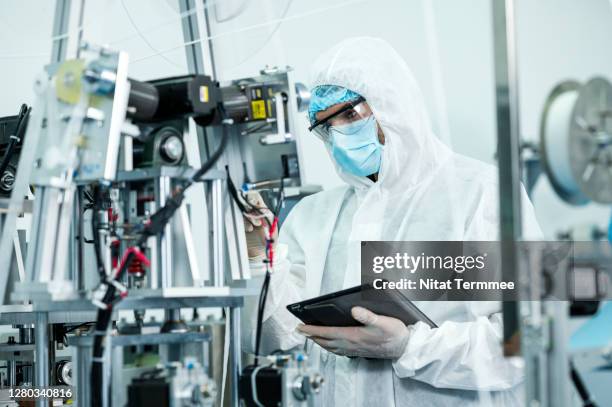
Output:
[[160, 219], [136, 252], [98, 295]]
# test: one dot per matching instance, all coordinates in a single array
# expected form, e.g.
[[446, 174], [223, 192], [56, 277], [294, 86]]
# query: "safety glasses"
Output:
[[347, 120]]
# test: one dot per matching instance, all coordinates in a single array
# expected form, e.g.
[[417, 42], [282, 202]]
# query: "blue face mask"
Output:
[[356, 148]]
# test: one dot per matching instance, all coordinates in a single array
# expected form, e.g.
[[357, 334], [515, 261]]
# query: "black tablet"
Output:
[[335, 309]]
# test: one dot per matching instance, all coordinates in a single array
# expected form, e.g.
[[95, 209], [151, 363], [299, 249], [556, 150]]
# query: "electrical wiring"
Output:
[[581, 389], [246, 209], [24, 113], [216, 155], [269, 264], [111, 291], [243, 205], [96, 242], [74, 328], [260, 313], [8, 154], [80, 229]]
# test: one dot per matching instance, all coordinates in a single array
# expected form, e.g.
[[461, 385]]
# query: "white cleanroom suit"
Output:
[[424, 192]]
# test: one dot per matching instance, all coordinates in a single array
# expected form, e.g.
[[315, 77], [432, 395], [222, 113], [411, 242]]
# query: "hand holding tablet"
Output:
[[335, 309]]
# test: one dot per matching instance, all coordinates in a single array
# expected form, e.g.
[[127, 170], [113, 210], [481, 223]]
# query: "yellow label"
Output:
[[204, 94], [68, 81], [259, 109]]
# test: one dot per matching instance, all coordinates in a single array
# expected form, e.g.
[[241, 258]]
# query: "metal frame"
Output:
[[506, 95], [199, 61], [63, 39], [200, 55], [191, 34], [41, 332], [60, 30], [531, 326]]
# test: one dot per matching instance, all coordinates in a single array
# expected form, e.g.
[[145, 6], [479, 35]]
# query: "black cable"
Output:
[[231, 187], [260, 313], [581, 388], [80, 231], [280, 198], [102, 321], [74, 328], [8, 154], [244, 207], [24, 114], [89, 197], [15, 138], [217, 154], [266, 283], [96, 238]]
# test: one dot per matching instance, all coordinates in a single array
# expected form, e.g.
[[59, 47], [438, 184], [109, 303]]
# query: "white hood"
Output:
[[373, 69], [424, 191]]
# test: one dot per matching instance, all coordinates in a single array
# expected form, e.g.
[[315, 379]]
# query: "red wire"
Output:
[[139, 255], [269, 243]]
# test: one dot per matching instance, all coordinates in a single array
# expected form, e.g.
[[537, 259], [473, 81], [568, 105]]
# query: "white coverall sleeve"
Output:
[[286, 287], [459, 355], [467, 355]]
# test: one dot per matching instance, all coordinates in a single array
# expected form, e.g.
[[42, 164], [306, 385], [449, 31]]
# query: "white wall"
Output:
[[25, 46], [25, 41], [558, 39], [143, 29]]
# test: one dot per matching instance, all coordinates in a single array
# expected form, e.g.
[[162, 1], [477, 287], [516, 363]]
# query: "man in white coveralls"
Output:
[[403, 184]]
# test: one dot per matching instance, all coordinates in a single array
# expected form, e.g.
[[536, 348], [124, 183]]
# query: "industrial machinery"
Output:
[[576, 149], [174, 385], [575, 154], [576, 141], [286, 380], [134, 208]]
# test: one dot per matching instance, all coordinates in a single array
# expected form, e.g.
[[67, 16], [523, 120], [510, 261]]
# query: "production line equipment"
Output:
[[132, 191], [574, 148], [574, 152]]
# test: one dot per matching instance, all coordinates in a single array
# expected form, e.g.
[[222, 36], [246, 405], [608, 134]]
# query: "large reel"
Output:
[[576, 139]]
